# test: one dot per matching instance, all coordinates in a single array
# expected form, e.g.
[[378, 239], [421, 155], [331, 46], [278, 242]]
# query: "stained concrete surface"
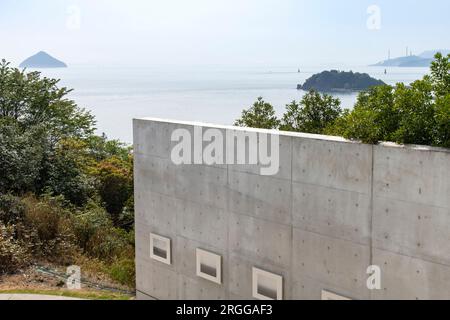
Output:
[[334, 208]]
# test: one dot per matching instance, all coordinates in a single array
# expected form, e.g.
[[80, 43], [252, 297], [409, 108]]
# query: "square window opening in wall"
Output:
[[209, 266], [327, 295], [266, 285], [160, 249]]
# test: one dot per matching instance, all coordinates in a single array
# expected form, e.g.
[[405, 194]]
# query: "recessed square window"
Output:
[[327, 295], [266, 285], [160, 249], [209, 266]]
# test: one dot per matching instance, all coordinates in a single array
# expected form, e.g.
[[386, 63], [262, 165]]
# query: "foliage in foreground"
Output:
[[47, 229], [65, 193], [415, 114]]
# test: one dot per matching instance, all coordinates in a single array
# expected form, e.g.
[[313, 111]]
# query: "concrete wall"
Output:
[[334, 208]]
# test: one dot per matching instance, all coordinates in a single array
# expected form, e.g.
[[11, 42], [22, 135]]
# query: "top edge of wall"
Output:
[[414, 147], [218, 126], [294, 134]]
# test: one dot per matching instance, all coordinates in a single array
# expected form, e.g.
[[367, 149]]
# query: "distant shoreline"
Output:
[[335, 90]]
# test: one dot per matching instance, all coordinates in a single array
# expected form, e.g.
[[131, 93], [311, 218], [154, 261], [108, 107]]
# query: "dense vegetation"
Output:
[[415, 114], [329, 81], [66, 195]]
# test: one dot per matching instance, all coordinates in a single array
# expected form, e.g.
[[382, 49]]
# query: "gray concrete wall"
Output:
[[334, 208]]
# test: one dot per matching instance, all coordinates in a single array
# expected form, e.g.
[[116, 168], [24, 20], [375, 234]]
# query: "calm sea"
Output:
[[213, 94]]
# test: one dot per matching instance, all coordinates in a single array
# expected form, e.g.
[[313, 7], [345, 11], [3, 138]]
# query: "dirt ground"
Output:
[[28, 279], [33, 279]]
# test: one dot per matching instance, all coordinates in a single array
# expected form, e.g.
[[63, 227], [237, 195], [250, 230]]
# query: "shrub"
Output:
[[97, 236], [106, 244], [12, 209], [12, 255], [126, 217], [88, 221], [123, 271], [48, 229]]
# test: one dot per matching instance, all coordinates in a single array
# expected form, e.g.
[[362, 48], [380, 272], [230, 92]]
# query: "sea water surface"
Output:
[[213, 94]]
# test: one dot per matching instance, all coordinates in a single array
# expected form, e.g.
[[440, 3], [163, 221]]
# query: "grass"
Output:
[[80, 294]]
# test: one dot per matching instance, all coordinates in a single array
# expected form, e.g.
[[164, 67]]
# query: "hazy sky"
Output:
[[269, 32]]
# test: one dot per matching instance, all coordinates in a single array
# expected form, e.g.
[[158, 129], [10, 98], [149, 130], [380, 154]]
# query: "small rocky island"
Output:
[[332, 81], [42, 60]]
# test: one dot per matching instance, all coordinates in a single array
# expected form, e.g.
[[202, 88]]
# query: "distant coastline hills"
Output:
[[339, 81], [411, 61], [42, 60]]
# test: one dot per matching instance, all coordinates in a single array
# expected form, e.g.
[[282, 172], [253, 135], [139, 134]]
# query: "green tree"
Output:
[[440, 78], [414, 114], [372, 118], [414, 107], [46, 141], [21, 157], [100, 148], [115, 177], [36, 121], [440, 75], [313, 114], [442, 117], [31, 100], [67, 173], [260, 115]]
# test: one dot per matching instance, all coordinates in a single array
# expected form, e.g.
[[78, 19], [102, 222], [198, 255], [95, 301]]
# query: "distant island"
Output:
[[42, 60], [405, 62], [331, 81], [423, 60]]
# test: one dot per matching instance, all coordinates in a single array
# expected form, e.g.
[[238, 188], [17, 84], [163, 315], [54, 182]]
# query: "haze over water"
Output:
[[112, 46], [213, 94]]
